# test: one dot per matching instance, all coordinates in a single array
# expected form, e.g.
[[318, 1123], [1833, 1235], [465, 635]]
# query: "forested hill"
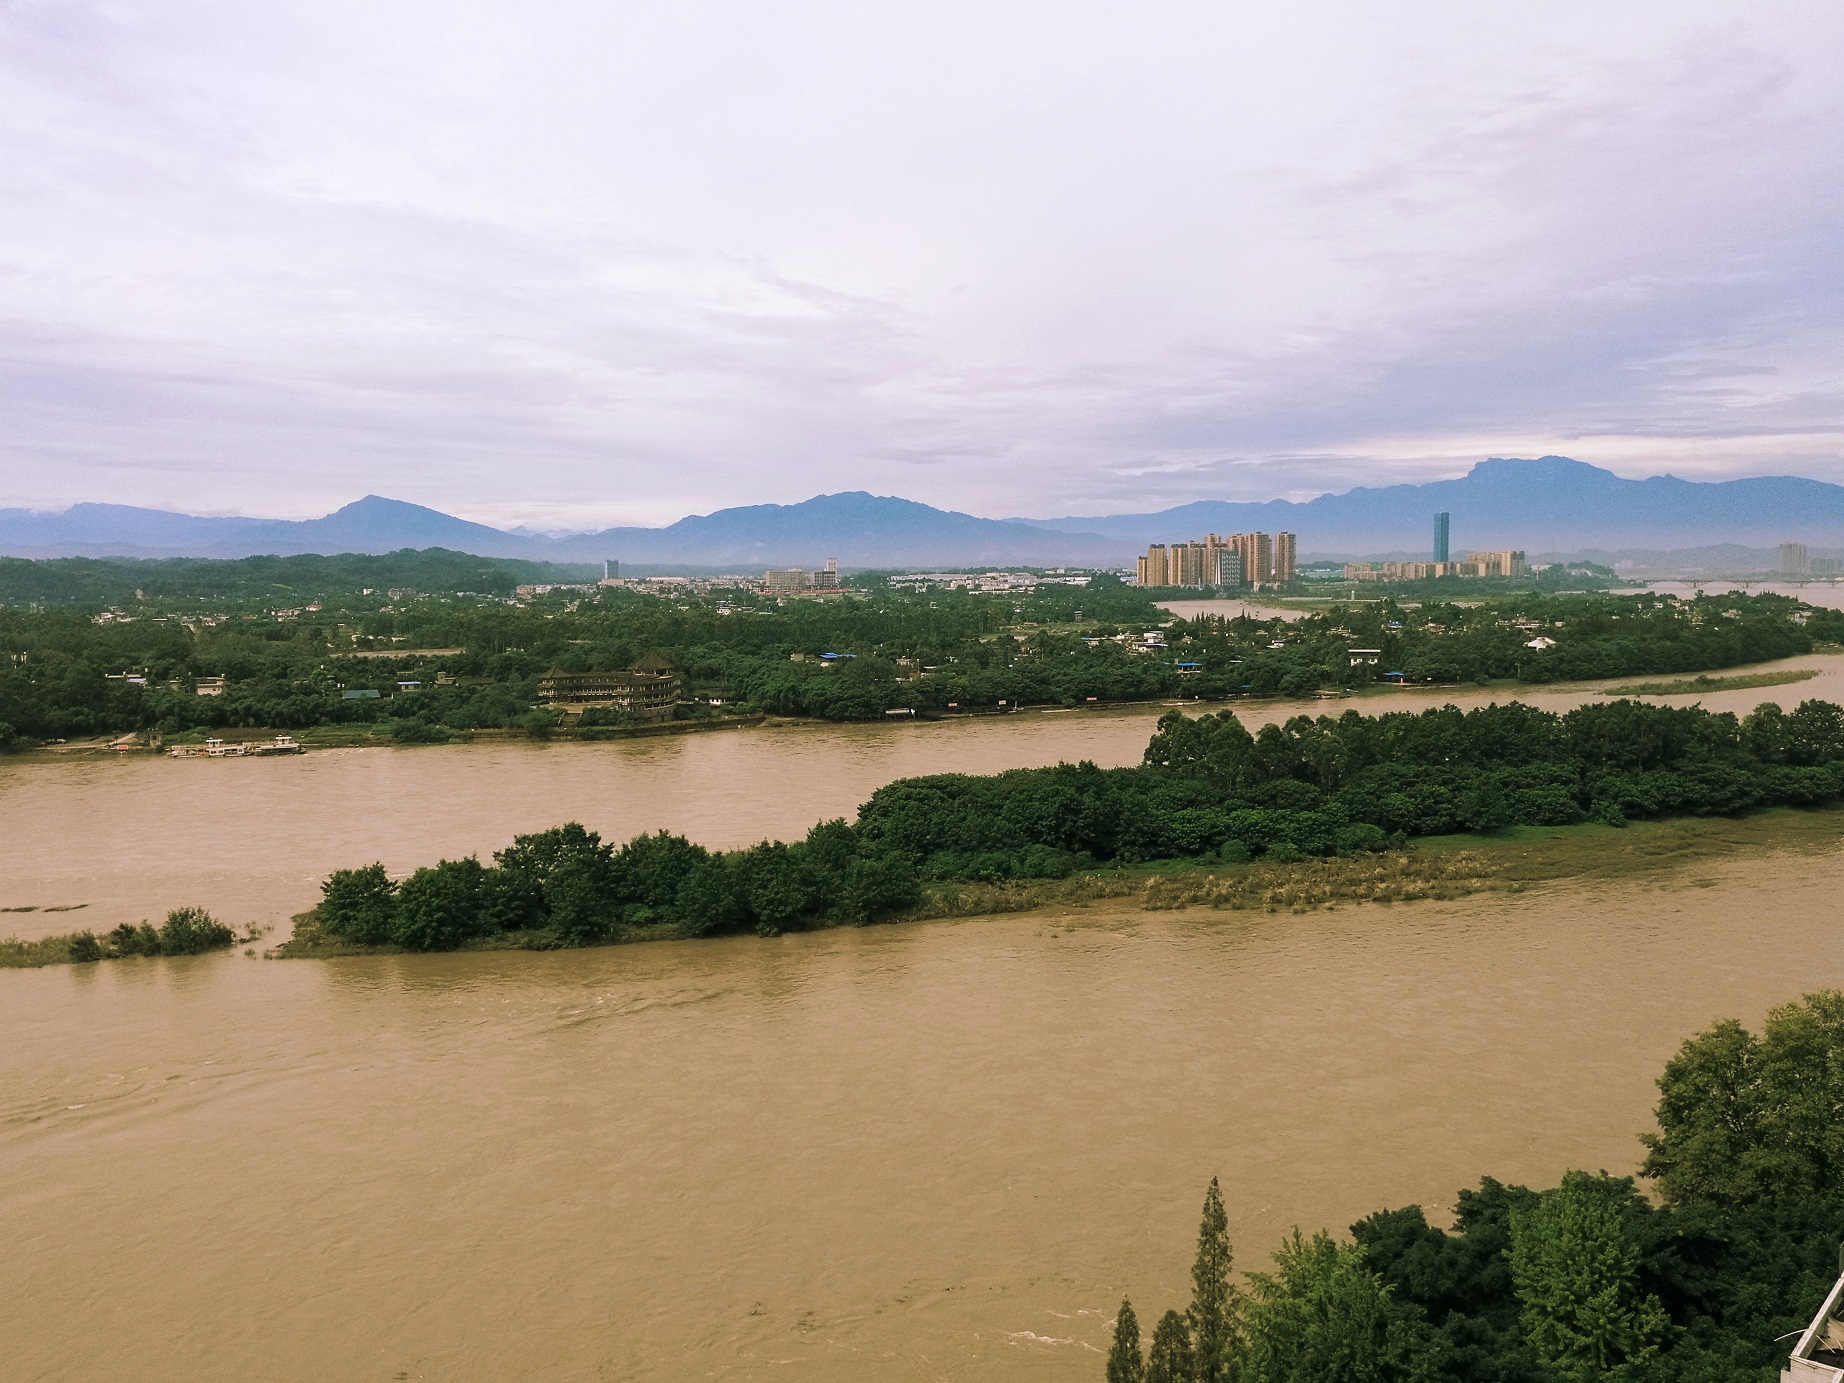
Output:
[[92, 581]]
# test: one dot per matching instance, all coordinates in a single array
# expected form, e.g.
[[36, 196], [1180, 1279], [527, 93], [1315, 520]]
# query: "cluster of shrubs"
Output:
[[567, 887], [1706, 1282], [186, 932]]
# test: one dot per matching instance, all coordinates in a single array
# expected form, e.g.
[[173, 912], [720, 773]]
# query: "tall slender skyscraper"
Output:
[[1283, 558], [1440, 538]]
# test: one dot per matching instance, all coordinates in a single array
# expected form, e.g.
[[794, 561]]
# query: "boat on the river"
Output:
[[242, 749]]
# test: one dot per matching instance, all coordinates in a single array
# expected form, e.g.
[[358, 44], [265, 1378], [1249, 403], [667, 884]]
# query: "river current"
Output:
[[933, 1151]]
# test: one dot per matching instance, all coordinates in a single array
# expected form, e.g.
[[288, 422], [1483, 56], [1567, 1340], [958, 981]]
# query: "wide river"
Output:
[[937, 1151]]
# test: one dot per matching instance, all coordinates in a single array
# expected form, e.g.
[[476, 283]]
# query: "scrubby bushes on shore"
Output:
[[186, 932]]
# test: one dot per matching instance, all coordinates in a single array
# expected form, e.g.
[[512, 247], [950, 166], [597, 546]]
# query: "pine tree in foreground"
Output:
[[1124, 1362], [1170, 1360], [1212, 1316]]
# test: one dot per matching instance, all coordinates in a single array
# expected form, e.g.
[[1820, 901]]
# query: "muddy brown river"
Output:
[[935, 1151]]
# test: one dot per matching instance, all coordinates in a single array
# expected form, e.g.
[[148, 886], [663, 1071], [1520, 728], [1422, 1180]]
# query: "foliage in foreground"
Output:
[[1588, 1282], [1207, 790]]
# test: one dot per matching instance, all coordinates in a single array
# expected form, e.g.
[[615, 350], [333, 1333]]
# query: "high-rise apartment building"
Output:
[[1257, 551], [1440, 538], [1240, 559], [1794, 560], [1190, 564], [1506, 563], [1283, 558]]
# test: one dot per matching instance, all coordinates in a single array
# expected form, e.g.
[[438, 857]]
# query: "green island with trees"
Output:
[[1334, 802], [1590, 1281], [424, 647]]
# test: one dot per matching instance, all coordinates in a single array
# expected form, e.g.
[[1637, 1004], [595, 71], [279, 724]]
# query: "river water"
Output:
[[938, 1151], [923, 1152]]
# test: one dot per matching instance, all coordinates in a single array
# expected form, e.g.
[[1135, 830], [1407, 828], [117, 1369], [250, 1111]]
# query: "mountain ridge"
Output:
[[1549, 503], [1526, 503]]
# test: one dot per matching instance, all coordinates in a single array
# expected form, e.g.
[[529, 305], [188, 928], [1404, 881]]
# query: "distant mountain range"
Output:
[[859, 529], [1551, 505]]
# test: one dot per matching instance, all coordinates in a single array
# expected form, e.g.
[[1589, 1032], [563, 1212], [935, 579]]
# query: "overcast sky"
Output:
[[577, 262]]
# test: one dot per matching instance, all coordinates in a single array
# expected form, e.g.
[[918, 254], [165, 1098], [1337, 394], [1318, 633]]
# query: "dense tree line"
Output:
[[1587, 1282], [289, 666], [210, 582], [72, 670], [1207, 789], [569, 887], [1329, 785]]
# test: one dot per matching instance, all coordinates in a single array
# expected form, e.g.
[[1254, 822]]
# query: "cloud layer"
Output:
[[572, 264]]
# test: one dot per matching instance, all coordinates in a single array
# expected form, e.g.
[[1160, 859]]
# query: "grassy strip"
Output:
[[1686, 685], [1436, 867], [29, 955], [1295, 887]]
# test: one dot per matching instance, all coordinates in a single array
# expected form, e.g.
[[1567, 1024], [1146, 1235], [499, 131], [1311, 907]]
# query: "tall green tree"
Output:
[[1744, 1119], [1712, 1147], [1212, 1314], [358, 904], [1170, 1360], [1322, 1314], [439, 908], [1577, 1278], [1125, 1364]]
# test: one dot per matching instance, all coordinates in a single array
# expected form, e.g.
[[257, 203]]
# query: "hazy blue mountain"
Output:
[[1552, 503], [376, 524], [861, 530], [372, 524], [114, 530], [857, 528]]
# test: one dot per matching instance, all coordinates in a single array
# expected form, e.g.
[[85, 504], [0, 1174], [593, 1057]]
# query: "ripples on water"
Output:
[[906, 1152]]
